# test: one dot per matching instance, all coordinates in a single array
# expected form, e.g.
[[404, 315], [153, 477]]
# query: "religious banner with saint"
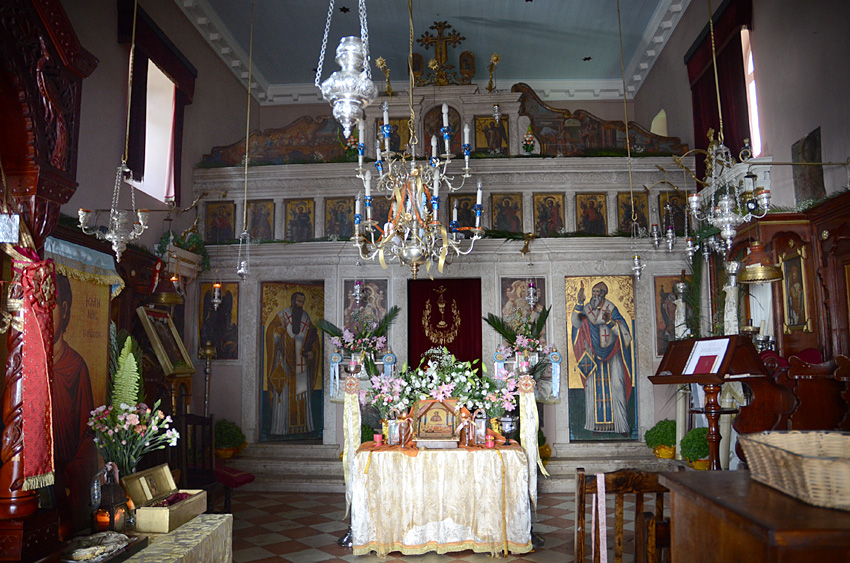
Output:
[[291, 354], [444, 313], [601, 357]]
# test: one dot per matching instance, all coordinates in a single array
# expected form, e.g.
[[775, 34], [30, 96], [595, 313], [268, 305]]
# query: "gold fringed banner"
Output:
[[84, 264], [351, 433], [529, 424], [38, 282]]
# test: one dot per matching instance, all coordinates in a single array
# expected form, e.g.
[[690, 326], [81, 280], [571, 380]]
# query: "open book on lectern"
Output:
[[709, 360]]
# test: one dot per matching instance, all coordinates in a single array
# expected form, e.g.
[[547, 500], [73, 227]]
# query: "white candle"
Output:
[[478, 195], [445, 115], [434, 146], [357, 205], [367, 180], [386, 114], [378, 149], [436, 182], [761, 329], [466, 133], [454, 212], [361, 130]]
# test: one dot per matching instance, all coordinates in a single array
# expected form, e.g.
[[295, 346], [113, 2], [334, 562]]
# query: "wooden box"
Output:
[[152, 485]]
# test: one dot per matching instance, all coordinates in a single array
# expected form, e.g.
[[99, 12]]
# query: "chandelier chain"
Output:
[[364, 37], [248, 120], [714, 66], [324, 44], [130, 84], [411, 123], [626, 112]]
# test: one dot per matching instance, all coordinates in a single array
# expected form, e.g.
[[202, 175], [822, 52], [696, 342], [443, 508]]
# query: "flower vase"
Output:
[[509, 427]]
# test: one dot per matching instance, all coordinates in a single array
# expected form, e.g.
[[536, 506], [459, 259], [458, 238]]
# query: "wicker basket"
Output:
[[813, 466]]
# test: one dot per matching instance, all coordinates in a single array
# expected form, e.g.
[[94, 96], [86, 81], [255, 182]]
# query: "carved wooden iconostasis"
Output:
[[809, 306]]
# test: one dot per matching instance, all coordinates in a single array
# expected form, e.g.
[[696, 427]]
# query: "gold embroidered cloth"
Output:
[[205, 538], [441, 500]]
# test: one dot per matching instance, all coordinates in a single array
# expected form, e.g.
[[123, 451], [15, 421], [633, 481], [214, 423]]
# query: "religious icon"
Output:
[[219, 223], [628, 214], [260, 220], [166, 341], [794, 291], [548, 214], [399, 134], [291, 397], [514, 304], [592, 214], [808, 180], [220, 326], [665, 311], [465, 204], [507, 212], [339, 216], [491, 136], [435, 420], [380, 213], [601, 356], [299, 219], [675, 212], [373, 301], [433, 123]]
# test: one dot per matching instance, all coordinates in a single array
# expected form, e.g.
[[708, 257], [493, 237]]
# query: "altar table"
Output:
[[205, 538], [440, 500]]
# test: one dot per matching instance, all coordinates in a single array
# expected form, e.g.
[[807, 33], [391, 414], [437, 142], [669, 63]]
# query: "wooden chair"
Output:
[[196, 455], [652, 530]]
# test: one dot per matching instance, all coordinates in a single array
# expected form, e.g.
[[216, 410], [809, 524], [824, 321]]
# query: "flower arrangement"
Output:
[[521, 335], [350, 145], [441, 376], [528, 141], [126, 430], [502, 399], [385, 394], [367, 339]]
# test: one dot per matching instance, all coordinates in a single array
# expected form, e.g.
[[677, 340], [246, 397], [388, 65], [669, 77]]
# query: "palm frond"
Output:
[[504, 329], [329, 328], [540, 323], [386, 321]]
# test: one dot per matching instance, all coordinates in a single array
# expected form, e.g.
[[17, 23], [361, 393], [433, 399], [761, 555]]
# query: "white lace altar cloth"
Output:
[[441, 500]]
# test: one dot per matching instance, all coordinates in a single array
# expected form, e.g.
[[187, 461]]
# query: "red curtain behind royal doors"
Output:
[[444, 312]]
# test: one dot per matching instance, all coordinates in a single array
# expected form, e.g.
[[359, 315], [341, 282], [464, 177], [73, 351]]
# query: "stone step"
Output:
[[291, 451], [318, 468]]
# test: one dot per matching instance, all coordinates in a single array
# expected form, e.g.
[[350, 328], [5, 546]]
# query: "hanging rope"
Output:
[[714, 66], [130, 85], [248, 121], [626, 113]]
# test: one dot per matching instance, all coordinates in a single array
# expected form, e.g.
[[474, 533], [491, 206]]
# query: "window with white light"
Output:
[[158, 181], [752, 99]]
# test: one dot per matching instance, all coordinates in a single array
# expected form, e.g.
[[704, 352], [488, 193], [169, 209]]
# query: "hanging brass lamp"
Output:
[[758, 267]]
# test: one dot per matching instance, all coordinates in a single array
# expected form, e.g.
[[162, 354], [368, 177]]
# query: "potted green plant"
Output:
[[229, 439], [661, 438], [695, 448]]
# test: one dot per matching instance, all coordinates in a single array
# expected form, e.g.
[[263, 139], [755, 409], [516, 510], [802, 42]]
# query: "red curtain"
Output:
[[446, 313], [728, 22]]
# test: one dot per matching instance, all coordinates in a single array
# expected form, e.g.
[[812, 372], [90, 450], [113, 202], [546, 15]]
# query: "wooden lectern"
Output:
[[724, 359]]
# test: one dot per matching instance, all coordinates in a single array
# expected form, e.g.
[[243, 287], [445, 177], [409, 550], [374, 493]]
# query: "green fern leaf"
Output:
[[125, 383], [540, 323]]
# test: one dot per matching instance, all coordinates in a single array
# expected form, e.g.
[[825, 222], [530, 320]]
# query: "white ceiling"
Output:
[[543, 43]]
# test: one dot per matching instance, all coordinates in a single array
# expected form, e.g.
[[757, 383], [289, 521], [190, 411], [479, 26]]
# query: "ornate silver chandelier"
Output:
[[412, 233]]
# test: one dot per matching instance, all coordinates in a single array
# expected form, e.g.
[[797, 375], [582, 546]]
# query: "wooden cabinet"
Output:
[[726, 516]]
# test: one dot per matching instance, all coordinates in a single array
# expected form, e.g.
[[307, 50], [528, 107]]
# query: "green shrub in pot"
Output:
[[694, 445], [662, 434], [228, 434]]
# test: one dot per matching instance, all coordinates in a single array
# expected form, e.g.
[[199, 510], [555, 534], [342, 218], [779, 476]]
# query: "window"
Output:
[[163, 85], [752, 99], [158, 179]]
